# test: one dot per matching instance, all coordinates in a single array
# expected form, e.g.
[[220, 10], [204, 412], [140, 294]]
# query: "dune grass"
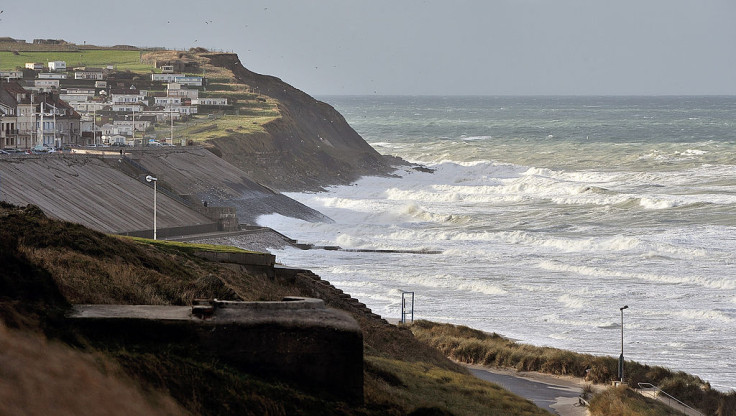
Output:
[[39, 377], [472, 346], [621, 401], [423, 387]]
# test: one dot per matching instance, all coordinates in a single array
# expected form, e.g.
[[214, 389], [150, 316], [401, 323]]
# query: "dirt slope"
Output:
[[310, 146]]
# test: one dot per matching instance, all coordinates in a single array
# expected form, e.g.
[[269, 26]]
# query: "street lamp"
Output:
[[621, 358], [149, 179]]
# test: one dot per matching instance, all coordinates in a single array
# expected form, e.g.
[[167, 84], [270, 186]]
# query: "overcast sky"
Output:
[[432, 47]]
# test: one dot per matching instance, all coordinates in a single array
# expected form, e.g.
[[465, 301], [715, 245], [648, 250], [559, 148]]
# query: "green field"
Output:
[[202, 130], [122, 59], [189, 247]]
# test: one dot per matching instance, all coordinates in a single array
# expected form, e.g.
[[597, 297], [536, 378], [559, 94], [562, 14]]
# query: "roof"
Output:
[[125, 91]]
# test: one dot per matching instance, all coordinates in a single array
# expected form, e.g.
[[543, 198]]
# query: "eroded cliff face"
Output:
[[309, 147]]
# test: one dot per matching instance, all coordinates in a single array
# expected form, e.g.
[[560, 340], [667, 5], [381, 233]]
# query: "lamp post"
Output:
[[149, 179], [621, 358]]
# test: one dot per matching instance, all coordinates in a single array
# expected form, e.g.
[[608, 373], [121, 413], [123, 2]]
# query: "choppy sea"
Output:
[[550, 214]]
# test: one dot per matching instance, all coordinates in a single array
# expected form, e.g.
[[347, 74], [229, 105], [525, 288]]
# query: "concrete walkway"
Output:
[[556, 394]]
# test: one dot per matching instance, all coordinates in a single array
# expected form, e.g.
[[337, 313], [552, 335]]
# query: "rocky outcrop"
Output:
[[310, 146]]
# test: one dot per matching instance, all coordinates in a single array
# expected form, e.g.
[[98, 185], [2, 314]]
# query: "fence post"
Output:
[[404, 313]]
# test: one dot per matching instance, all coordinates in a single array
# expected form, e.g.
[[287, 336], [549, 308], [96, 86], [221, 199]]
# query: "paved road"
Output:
[[559, 396]]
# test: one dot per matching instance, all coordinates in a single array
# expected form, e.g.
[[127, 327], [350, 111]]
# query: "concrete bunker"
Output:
[[297, 340]]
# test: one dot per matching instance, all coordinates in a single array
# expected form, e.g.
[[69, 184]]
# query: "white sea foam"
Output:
[[558, 320], [693, 152], [699, 314], [602, 272], [617, 243], [653, 203], [572, 302], [545, 238]]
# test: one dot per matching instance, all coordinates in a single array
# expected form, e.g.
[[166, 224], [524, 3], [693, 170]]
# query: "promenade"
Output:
[[556, 394]]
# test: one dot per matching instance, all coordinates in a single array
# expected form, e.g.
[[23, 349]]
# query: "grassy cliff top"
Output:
[[123, 60]]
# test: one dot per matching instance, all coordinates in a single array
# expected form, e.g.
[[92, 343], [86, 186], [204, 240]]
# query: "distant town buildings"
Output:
[[55, 105]]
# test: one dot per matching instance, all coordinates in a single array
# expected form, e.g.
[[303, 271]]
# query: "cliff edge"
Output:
[[308, 147]]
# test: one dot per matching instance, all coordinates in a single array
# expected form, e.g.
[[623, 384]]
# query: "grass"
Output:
[[418, 385], [189, 248], [122, 59], [226, 126], [50, 264], [624, 402], [51, 377], [472, 346]]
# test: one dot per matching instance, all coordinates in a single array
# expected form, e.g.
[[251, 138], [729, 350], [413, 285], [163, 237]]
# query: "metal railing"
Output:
[[670, 400]]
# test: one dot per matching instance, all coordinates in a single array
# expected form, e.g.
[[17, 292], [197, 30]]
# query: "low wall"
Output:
[[164, 233], [246, 259], [226, 217], [298, 341]]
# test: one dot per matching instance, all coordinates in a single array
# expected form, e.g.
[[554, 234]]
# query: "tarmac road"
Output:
[[557, 395]]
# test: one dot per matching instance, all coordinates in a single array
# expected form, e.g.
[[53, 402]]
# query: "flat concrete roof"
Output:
[[297, 312]]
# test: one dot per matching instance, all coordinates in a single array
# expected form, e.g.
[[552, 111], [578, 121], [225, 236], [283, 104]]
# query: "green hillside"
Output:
[[123, 60]]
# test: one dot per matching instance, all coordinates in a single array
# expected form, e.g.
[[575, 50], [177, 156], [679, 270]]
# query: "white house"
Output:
[[74, 98], [108, 129], [167, 101], [46, 84], [193, 81], [218, 101], [174, 89], [89, 73], [57, 66], [87, 106], [7, 75], [51, 75], [36, 66], [162, 115], [165, 77], [80, 90], [128, 96], [127, 108], [185, 109], [115, 139], [127, 125]]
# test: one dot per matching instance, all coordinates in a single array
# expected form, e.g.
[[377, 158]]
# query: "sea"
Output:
[[541, 218]]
